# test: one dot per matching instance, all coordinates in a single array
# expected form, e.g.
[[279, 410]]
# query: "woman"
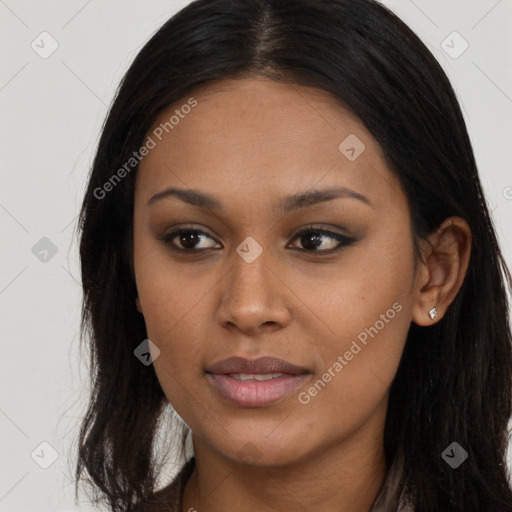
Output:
[[285, 247]]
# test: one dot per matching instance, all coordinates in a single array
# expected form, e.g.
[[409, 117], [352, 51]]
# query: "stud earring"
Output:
[[432, 313]]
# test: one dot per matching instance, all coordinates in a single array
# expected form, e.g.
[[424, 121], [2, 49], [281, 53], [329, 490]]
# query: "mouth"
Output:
[[255, 383], [255, 376]]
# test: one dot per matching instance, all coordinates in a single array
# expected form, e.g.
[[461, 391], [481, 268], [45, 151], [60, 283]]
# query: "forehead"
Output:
[[255, 133]]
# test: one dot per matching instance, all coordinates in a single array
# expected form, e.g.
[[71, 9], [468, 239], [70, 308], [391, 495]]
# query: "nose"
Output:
[[253, 297]]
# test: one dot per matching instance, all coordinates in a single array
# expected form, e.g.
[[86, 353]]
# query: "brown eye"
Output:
[[190, 240], [321, 240]]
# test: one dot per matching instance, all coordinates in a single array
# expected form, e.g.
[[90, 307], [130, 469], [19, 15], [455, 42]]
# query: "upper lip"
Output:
[[260, 366]]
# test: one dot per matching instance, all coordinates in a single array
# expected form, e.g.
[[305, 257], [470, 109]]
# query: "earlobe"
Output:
[[441, 274]]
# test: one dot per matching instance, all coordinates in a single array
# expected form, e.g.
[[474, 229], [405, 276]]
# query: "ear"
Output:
[[137, 303], [440, 275]]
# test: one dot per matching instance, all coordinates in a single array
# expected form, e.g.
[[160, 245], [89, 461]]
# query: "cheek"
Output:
[[173, 306], [365, 308], [173, 298], [168, 290], [357, 373], [350, 295]]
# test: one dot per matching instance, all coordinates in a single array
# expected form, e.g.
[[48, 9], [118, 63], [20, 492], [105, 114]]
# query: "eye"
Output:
[[190, 240], [312, 239], [322, 240]]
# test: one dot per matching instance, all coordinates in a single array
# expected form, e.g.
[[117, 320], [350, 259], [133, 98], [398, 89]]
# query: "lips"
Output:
[[255, 383], [263, 365]]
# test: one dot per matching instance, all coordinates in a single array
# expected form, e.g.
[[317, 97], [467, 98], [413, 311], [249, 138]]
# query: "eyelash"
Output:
[[343, 241]]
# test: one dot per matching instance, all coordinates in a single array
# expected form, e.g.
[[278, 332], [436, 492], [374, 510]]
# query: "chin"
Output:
[[262, 451]]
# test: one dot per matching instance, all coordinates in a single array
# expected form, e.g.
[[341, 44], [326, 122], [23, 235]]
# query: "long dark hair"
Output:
[[454, 381]]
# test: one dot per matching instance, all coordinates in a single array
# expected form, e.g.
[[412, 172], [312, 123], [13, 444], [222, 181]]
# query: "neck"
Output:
[[343, 477]]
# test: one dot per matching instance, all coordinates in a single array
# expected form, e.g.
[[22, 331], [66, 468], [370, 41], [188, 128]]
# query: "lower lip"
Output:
[[252, 393]]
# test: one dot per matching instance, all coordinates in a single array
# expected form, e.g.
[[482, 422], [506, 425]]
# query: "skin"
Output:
[[251, 142]]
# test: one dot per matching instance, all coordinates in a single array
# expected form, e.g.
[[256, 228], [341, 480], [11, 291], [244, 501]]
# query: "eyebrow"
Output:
[[287, 204]]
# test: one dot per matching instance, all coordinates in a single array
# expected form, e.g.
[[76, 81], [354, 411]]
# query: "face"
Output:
[[286, 237]]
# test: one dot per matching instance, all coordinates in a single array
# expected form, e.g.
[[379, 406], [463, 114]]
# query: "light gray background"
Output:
[[52, 110]]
